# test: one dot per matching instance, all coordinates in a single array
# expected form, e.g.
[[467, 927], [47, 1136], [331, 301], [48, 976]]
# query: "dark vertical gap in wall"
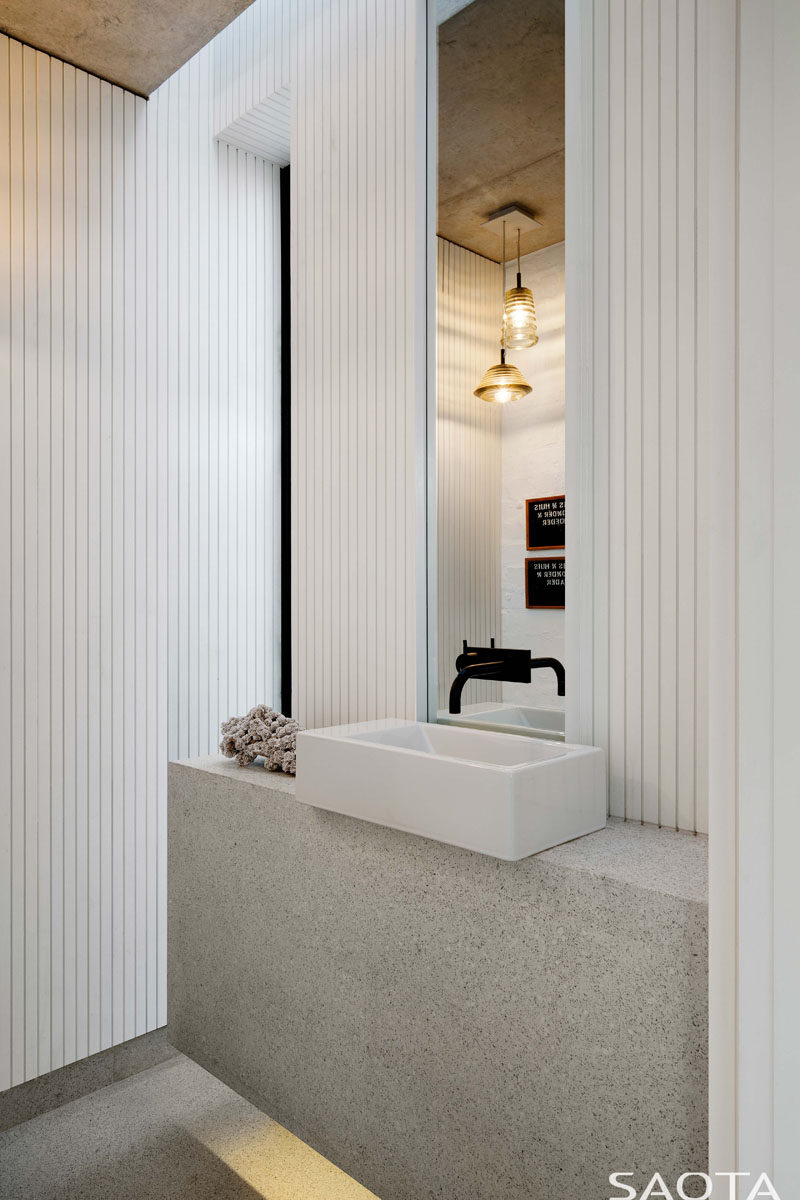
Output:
[[286, 455]]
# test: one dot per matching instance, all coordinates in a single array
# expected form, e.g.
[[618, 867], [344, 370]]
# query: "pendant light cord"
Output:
[[503, 300], [519, 272]]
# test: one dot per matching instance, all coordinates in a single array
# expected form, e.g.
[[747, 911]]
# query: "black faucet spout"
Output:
[[476, 670], [556, 666]]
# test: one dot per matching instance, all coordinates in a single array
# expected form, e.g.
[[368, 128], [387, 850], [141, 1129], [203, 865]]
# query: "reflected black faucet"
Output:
[[557, 667], [494, 662]]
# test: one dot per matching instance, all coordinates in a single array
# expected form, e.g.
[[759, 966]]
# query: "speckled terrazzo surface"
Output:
[[436, 1022], [172, 1132], [255, 773], [659, 860]]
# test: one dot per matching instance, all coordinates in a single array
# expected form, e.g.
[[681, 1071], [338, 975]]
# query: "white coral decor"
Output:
[[262, 732]]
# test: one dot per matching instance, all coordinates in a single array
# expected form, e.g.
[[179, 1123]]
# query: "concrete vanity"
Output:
[[437, 1022]]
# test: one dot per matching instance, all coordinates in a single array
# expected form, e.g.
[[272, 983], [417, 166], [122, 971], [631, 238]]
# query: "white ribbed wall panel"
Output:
[[138, 456], [252, 70], [750, 50], [358, 359], [265, 129], [637, 590], [468, 462], [252, 58], [85, 698], [216, 259]]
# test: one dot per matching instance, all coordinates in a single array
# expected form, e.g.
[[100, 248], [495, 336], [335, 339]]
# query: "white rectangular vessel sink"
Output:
[[495, 793]]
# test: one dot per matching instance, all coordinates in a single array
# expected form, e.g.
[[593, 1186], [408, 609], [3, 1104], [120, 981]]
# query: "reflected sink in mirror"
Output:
[[509, 718], [487, 791]]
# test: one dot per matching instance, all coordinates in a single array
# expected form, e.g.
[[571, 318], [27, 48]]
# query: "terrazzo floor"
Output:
[[173, 1132]]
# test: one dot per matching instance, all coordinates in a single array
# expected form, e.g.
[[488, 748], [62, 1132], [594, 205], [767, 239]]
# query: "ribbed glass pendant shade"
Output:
[[519, 317], [502, 383]]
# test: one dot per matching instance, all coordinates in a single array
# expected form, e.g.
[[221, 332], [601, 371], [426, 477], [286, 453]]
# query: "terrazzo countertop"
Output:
[[646, 856]]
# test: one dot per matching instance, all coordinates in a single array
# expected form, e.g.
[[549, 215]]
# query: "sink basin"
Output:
[[495, 793], [516, 718]]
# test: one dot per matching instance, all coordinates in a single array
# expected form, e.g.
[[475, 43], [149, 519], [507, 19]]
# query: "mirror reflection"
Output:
[[500, 367]]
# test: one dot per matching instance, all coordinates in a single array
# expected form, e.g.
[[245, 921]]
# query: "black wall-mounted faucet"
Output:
[[494, 662]]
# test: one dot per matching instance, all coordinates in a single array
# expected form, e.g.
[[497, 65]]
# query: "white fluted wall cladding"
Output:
[[468, 462], [636, 450], [750, 50], [138, 366], [252, 59], [252, 75], [358, 359]]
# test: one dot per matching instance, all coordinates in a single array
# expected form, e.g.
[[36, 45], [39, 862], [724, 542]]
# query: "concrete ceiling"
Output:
[[134, 43], [501, 120]]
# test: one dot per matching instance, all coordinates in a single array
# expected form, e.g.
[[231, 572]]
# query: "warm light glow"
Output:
[[502, 383], [271, 1161], [519, 318]]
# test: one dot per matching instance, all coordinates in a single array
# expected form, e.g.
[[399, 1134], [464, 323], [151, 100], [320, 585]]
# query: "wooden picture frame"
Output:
[[536, 590], [544, 538]]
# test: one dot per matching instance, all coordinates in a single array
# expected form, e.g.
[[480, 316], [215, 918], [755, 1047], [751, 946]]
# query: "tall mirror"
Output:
[[499, 471]]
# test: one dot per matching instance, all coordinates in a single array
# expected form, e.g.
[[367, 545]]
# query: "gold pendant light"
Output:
[[519, 314], [502, 382]]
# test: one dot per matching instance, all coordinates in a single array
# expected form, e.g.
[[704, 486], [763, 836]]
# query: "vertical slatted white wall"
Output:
[[468, 462], [82, 798], [767, 425], [638, 465], [216, 288], [138, 345], [358, 357], [252, 58], [252, 71], [750, 51]]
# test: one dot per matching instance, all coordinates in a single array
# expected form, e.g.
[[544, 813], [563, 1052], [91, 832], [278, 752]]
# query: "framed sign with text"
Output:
[[544, 523], [544, 582]]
